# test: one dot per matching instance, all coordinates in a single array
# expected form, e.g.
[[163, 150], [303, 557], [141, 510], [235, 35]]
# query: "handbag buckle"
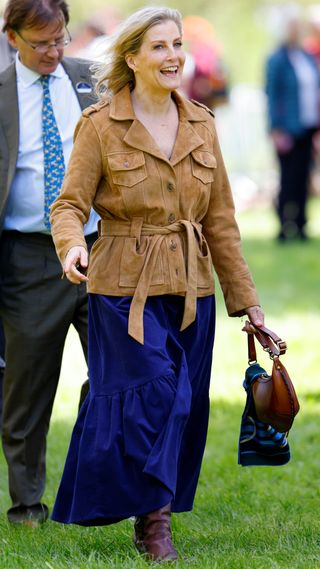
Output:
[[272, 355], [282, 345]]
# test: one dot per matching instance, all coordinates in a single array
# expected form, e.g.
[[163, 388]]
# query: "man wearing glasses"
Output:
[[41, 97]]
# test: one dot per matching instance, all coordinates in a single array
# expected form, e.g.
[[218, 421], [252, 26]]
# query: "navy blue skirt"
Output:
[[140, 435]]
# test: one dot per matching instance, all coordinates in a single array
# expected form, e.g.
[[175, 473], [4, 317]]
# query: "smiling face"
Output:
[[158, 65], [42, 63]]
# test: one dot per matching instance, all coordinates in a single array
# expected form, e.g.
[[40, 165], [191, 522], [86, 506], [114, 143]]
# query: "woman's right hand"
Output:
[[75, 264]]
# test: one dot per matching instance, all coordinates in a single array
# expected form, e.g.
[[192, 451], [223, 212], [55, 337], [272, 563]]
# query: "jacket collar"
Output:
[[121, 107], [138, 137], [9, 120]]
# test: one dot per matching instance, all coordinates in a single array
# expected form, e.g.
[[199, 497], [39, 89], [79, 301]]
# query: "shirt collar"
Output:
[[27, 76]]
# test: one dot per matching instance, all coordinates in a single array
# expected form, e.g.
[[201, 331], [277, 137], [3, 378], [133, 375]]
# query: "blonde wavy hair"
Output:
[[112, 75]]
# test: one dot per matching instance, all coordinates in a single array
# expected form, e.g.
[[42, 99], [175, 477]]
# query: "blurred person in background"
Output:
[[311, 42], [292, 87], [312, 45], [7, 52], [36, 305], [207, 81], [149, 162], [89, 38], [82, 36]]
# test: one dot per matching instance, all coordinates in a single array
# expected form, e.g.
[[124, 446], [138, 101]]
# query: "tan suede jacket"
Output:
[[165, 223]]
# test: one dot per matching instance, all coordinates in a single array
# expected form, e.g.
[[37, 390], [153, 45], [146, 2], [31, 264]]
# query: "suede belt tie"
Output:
[[136, 228]]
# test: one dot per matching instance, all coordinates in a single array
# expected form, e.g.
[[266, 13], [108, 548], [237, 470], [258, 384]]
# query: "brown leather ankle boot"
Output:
[[153, 535]]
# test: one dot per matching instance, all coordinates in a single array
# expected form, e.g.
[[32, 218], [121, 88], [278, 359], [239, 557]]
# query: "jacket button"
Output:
[[172, 245], [170, 187], [171, 218], [126, 164]]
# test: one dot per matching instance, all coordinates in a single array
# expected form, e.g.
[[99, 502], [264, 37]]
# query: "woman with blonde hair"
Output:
[[149, 163]]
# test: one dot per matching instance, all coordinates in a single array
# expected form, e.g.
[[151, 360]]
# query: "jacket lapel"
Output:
[[138, 136], [80, 73], [187, 140], [9, 132]]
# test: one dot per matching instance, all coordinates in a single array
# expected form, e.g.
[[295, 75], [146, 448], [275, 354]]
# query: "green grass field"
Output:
[[259, 517]]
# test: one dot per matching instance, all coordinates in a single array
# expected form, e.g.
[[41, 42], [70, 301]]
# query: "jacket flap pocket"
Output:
[[127, 168], [126, 160], [204, 158], [203, 165]]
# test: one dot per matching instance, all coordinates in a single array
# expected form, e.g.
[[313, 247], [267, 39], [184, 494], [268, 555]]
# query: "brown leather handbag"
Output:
[[274, 396]]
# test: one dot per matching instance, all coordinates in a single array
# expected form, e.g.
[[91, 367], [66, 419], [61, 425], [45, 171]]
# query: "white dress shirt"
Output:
[[25, 208]]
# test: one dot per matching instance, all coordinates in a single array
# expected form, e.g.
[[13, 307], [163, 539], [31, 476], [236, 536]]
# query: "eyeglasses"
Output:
[[43, 47]]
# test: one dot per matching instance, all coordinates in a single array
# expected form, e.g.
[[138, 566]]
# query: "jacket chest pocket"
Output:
[[203, 166], [127, 168]]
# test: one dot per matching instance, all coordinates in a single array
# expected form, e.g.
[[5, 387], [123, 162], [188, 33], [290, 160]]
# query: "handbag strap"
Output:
[[270, 342]]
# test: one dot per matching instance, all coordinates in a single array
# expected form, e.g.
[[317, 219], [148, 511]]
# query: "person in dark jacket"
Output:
[[7, 55], [292, 86], [36, 305]]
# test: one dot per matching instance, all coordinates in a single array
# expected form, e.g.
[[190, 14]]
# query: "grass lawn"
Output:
[[260, 517]]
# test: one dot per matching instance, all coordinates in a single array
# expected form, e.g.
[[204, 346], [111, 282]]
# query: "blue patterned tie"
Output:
[[54, 167]]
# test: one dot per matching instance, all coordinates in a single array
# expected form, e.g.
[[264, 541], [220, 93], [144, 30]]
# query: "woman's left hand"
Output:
[[256, 316]]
